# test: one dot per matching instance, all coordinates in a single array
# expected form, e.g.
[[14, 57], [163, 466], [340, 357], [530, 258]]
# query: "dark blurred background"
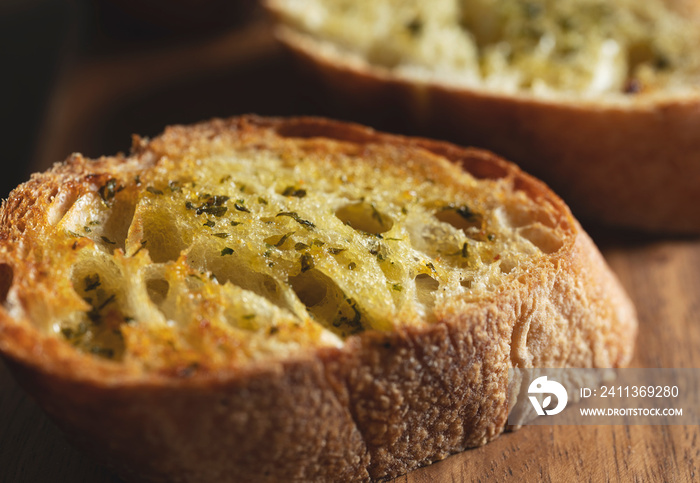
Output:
[[83, 76]]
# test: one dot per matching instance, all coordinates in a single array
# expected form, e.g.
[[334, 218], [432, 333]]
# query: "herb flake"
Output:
[[294, 191], [154, 191], [92, 282], [307, 262], [295, 216]]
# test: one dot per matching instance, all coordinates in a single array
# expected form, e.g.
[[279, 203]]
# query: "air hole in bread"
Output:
[[233, 270], [157, 289], [160, 237], [98, 330], [542, 237], [525, 214], [364, 216], [507, 265], [6, 277], [327, 303], [115, 227], [461, 217], [425, 289]]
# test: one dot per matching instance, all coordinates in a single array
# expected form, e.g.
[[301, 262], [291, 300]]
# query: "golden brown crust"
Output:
[[633, 162], [380, 405]]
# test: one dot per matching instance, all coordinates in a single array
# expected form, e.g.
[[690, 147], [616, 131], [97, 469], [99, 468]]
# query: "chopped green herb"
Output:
[[294, 191], [273, 330], [397, 287], [219, 200], [235, 223], [174, 186], [225, 179], [301, 246], [307, 262], [491, 237], [336, 251], [73, 234], [284, 239], [431, 267], [465, 250], [221, 235], [92, 282], [242, 208], [318, 242], [415, 27], [249, 316], [153, 190], [108, 191], [217, 211], [352, 265], [227, 251], [87, 229], [463, 211], [109, 300], [143, 243], [210, 223], [262, 200], [212, 205], [295, 216]]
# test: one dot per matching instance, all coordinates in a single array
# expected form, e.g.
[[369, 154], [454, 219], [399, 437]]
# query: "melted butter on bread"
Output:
[[227, 253], [547, 47]]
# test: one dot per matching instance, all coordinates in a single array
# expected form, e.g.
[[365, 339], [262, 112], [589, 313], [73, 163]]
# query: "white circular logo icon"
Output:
[[542, 386]]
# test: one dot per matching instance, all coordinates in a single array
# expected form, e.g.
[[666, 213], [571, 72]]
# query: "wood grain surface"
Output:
[[94, 110]]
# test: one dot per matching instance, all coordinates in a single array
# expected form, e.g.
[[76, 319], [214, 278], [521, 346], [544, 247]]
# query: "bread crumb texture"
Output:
[[547, 47], [218, 254], [260, 299]]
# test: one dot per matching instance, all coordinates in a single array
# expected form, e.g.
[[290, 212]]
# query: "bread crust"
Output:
[[382, 404], [632, 162]]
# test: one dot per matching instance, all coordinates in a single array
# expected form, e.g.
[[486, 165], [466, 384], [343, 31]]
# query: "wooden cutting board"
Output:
[[94, 109]]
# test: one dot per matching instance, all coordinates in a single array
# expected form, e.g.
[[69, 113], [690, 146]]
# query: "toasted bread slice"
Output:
[[599, 99], [262, 299]]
